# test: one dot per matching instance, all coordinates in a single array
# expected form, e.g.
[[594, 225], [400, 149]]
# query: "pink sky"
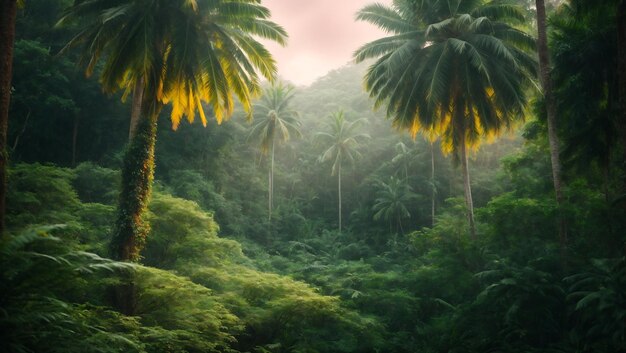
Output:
[[323, 34]]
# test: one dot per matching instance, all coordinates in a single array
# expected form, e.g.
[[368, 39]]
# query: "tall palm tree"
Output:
[[391, 202], [274, 116], [181, 52], [403, 159], [343, 140], [550, 103], [454, 69], [8, 12]]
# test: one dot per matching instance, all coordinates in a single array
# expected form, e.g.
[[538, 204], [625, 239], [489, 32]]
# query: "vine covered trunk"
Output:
[[137, 174]]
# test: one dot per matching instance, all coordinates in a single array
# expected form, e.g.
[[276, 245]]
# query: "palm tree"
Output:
[[550, 103], [8, 12], [451, 69], [391, 202], [403, 158], [181, 52], [343, 140], [274, 117]]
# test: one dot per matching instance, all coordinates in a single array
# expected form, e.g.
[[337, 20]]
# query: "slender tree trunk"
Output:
[[432, 182], [271, 183], [17, 138], [546, 82], [269, 193], [339, 193], [467, 188], [135, 112], [8, 12]]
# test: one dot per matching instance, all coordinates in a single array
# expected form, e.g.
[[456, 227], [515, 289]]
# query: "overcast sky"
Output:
[[322, 36]]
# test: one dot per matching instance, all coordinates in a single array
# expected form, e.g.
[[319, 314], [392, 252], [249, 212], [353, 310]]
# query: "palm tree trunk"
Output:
[[432, 182], [339, 193], [135, 112], [8, 12], [271, 183], [546, 82], [467, 188], [137, 175]]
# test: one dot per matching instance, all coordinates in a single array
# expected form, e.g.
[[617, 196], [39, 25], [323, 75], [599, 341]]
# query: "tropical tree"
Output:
[[181, 52], [403, 159], [583, 34], [274, 116], [8, 12], [456, 70], [391, 202], [343, 140], [550, 105]]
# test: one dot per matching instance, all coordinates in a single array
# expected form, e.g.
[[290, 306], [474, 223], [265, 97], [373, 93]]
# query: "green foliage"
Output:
[[183, 234], [597, 297], [505, 213], [528, 302], [96, 184], [342, 140], [268, 307], [431, 49], [43, 282], [41, 194], [191, 185], [391, 203], [185, 316]]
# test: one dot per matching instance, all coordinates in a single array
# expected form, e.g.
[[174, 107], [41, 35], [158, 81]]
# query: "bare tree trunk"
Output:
[[432, 182], [469, 203], [339, 192], [8, 12], [546, 82], [17, 138], [269, 193], [271, 181]]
